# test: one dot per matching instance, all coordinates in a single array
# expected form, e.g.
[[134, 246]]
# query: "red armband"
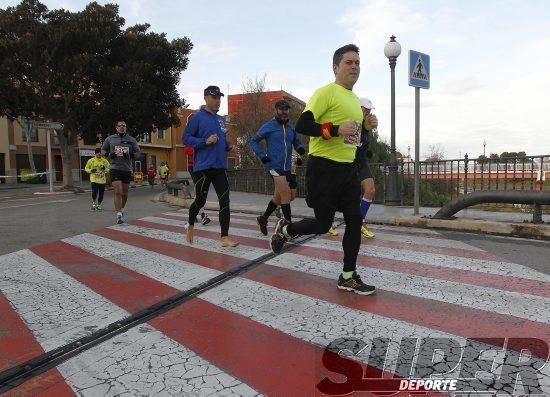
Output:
[[325, 131]]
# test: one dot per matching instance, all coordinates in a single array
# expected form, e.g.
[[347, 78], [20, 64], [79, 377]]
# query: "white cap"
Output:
[[366, 103]]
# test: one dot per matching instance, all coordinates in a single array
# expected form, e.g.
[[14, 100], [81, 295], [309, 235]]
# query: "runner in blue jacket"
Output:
[[280, 138], [206, 133]]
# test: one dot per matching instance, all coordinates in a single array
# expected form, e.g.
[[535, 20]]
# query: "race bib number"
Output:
[[120, 150]]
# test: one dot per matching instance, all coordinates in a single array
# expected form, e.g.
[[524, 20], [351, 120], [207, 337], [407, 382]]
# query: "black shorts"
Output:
[[290, 178], [331, 185], [364, 171], [123, 176]]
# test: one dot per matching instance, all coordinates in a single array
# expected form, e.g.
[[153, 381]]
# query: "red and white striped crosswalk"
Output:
[[262, 332]]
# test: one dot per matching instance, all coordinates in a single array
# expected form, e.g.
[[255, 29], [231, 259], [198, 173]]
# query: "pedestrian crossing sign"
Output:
[[419, 69]]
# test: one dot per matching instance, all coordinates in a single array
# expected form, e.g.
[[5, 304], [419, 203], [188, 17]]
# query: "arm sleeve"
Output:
[[106, 147], [190, 136], [297, 143], [307, 125], [88, 167], [255, 143]]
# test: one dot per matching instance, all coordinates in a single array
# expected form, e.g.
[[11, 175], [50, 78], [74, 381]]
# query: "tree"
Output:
[[83, 70], [254, 111], [436, 152]]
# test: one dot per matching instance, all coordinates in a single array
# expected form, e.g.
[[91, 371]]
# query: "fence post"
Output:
[[465, 174]]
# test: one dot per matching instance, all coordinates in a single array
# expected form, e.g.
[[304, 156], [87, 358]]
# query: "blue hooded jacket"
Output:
[[280, 138], [200, 126]]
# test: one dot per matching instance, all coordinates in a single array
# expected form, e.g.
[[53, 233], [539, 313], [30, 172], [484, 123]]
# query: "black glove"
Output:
[[301, 151], [299, 161], [113, 155], [94, 170], [266, 160], [102, 167], [369, 154]]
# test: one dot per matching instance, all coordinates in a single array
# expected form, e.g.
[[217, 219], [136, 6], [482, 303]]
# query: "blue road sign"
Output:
[[419, 69]]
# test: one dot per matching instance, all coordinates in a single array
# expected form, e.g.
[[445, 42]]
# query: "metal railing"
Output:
[[440, 180]]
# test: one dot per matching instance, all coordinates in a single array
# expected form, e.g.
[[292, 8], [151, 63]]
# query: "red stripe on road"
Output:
[[446, 317], [460, 252], [17, 345], [266, 359], [125, 288], [505, 283], [213, 260]]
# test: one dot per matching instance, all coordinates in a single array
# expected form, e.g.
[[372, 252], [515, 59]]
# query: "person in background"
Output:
[[151, 174], [98, 168], [121, 148]]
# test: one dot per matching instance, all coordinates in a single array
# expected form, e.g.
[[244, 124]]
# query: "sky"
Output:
[[489, 75]]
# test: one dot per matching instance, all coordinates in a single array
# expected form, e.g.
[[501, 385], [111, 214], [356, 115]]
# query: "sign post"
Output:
[[419, 77], [48, 127]]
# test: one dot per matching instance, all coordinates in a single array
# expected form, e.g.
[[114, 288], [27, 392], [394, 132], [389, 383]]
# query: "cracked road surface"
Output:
[[444, 308]]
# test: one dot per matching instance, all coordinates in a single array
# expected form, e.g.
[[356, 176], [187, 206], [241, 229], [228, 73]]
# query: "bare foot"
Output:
[[227, 242], [189, 235]]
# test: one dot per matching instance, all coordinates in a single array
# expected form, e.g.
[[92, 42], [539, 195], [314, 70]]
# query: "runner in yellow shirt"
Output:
[[98, 168], [334, 121]]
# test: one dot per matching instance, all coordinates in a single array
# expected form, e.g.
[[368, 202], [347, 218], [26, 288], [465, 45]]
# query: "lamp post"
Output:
[[393, 197], [484, 143]]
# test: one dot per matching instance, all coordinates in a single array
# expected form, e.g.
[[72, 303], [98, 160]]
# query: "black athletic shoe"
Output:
[[205, 219], [355, 284], [262, 222], [278, 239]]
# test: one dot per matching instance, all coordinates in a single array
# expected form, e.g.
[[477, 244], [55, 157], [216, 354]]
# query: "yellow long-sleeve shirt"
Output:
[[97, 168]]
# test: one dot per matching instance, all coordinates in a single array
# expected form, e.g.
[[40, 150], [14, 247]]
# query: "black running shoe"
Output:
[[205, 219], [262, 222], [355, 284], [278, 239]]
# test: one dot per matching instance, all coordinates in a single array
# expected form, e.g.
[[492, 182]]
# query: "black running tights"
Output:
[[218, 178]]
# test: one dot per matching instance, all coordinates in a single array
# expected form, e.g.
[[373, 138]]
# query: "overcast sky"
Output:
[[490, 60]]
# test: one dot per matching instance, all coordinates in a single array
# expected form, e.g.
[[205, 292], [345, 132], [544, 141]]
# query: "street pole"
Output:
[[392, 51], [50, 168], [416, 150]]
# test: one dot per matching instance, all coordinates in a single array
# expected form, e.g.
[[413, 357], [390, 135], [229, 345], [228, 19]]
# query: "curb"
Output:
[[512, 229]]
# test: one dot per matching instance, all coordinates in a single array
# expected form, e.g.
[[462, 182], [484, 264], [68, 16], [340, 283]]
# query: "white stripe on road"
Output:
[[57, 308], [145, 362], [206, 244], [44, 202], [170, 271], [455, 262]]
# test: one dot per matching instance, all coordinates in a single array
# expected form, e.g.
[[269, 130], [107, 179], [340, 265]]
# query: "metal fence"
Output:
[[440, 181]]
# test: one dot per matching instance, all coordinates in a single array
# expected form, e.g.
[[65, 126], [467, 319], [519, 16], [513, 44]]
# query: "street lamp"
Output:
[[484, 143], [393, 197]]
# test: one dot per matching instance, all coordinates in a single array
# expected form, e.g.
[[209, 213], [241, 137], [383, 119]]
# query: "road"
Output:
[[137, 311], [33, 219]]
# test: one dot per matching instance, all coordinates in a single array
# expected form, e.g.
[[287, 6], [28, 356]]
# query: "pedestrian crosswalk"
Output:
[[265, 330]]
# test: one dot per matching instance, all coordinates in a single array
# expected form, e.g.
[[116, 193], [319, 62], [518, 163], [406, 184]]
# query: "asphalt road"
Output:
[[29, 219]]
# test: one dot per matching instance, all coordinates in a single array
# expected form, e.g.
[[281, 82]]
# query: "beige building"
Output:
[[157, 147]]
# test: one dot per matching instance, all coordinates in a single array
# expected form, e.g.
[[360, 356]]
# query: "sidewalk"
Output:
[[468, 220]]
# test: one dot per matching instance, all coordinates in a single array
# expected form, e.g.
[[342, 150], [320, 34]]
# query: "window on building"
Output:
[[146, 137], [160, 134], [33, 133]]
